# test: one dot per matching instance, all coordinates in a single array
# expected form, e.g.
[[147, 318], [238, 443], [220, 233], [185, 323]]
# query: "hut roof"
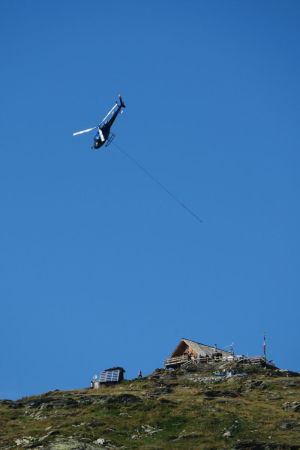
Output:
[[114, 368], [198, 348]]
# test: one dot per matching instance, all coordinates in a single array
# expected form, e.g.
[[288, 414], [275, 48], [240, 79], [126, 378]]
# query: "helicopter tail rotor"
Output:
[[122, 104]]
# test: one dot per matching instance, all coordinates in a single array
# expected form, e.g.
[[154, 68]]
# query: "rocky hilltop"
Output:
[[192, 408]]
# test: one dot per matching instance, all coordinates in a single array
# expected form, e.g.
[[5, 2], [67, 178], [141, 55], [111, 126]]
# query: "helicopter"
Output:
[[104, 136]]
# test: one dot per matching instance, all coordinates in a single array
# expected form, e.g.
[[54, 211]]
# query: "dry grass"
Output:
[[186, 414]]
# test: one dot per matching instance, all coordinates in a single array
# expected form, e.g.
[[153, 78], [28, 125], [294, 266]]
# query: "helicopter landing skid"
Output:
[[110, 139]]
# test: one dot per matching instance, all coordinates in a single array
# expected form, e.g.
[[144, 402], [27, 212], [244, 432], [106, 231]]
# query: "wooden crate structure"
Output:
[[108, 376]]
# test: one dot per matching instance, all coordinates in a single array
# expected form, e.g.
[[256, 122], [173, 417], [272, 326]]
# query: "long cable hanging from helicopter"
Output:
[[159, 183]]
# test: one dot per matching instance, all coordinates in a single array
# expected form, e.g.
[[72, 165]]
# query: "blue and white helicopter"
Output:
[[104, 136]]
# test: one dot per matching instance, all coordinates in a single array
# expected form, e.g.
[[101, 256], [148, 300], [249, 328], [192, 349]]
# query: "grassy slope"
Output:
[[187, 414]]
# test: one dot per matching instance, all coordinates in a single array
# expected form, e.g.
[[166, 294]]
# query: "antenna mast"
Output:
[[265, 347]]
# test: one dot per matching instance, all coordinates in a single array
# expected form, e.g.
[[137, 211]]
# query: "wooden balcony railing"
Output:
[[176, 360]]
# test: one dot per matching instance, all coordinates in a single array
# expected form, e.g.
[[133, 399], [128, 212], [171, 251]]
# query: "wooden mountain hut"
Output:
[[188, 350]]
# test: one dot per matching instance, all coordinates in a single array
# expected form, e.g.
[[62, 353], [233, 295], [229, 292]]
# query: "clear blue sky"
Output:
[[98, 265]]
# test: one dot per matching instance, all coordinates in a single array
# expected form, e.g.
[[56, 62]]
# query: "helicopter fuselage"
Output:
[[101, 137], [103, 133]]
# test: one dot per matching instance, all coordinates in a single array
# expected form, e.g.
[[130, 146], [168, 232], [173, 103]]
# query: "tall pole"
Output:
[[265, 347]]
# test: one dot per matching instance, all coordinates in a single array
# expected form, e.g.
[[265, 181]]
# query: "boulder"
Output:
[[292, 406], [76, 444]]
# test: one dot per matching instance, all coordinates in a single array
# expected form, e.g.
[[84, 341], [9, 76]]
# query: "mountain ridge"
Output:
[[246, 407]]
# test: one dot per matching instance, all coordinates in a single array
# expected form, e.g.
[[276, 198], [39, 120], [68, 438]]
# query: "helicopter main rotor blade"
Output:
[[109, 112], [84, 131]]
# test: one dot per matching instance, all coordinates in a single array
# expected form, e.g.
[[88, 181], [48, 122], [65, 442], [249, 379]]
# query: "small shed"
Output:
[[191, 350], [108, 376]]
